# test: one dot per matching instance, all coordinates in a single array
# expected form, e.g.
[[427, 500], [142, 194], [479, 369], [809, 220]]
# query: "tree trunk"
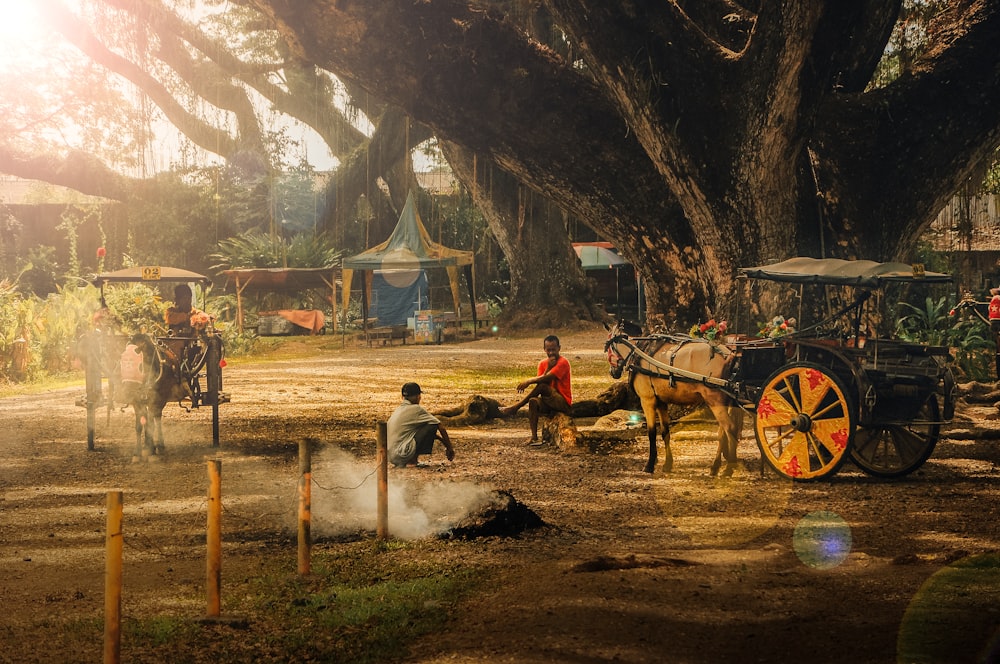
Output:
[[548, 289], [699, 139]]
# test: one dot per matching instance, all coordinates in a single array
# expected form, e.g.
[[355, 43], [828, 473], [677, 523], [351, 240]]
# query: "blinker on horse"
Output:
[[682, 370]]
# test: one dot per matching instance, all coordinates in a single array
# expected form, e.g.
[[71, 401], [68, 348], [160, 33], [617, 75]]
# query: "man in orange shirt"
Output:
[[178, 317], [552, 391], [994, 314]]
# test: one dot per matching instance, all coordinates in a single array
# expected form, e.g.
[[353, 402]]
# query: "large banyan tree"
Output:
[[698, 135]]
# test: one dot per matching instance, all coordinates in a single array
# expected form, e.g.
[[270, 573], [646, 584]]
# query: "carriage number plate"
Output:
[[151, 273]]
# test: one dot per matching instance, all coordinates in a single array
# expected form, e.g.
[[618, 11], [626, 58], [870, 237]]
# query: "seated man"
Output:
[[411, 430], [551, 389], [179, 317], [184, 321]]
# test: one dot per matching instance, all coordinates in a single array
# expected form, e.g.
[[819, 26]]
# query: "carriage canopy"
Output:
[[837, 272], [149, 273]]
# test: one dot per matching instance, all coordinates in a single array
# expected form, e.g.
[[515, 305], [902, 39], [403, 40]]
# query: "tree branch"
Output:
[[78, 33], [77, 170]]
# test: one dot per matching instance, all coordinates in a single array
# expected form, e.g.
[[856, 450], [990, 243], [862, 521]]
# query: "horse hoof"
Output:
[[136, 458], [648, 469]]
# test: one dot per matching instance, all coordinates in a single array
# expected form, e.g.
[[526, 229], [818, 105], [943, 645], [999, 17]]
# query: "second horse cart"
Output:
[[198, 356]]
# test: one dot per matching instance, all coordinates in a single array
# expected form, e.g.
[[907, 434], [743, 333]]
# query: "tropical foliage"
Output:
[[932, 323], [255, 249]]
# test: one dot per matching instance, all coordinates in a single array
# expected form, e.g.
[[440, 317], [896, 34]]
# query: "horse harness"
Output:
[[644, 348]]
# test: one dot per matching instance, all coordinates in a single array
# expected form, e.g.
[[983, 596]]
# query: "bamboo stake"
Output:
[[305, 505], [113, 580], [214, 538], [382, 466]]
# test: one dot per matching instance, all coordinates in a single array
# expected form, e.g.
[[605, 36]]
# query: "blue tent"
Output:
[[410, 247]]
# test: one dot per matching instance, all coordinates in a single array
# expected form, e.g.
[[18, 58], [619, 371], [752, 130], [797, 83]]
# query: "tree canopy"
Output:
[[699, 136]]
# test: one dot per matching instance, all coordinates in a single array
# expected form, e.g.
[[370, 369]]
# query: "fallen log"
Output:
[[617, 397], [476, 410]]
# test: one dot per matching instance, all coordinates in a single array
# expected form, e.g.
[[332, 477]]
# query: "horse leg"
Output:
[[730, 424], [649, 411], [140, 433], [663, 412], [148, 429], [736, 420], [157, 417]]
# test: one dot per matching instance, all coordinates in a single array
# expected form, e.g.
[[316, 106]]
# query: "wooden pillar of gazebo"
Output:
[[332, 283], [239, 301]]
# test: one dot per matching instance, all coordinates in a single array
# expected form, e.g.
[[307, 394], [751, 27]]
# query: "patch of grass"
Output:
[[45, 383], [363, 602], [157, 630]]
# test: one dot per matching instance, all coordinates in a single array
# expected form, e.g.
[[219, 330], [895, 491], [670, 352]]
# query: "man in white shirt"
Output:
[[411, 430]]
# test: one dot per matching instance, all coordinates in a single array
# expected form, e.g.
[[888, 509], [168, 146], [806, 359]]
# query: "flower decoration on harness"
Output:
[[711, 330], [200, 320], [778, 326]]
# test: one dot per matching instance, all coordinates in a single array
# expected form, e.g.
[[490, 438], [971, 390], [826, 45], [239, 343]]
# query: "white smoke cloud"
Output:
[[344, 498]]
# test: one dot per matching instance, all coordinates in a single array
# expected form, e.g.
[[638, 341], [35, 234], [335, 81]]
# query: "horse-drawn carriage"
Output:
[[819, 395], [185, 367]]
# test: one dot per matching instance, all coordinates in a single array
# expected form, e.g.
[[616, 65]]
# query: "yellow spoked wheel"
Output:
[[804, 422]]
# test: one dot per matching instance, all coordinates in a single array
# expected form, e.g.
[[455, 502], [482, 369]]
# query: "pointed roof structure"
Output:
[[410, 247]]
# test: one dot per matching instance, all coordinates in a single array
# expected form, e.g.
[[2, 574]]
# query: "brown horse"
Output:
[[681, 370], [151, 379]]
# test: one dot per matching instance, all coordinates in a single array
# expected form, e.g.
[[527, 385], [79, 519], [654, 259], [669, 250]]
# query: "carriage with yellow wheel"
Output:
[[837, 389], [841, 388]]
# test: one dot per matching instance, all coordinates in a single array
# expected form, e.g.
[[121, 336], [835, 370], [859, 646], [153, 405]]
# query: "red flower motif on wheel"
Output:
[[815, 378], [839, 438], [764, 408], [792, 468]]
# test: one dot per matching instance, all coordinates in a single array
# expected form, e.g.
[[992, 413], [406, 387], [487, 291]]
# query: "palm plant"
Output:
[[933, 324], [928, 324], [256, 249]]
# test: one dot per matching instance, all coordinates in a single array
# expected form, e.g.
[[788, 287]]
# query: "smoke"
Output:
[[344, 498]]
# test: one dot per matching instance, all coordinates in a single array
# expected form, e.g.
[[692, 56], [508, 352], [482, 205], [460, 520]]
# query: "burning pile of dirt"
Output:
[[502, 516]]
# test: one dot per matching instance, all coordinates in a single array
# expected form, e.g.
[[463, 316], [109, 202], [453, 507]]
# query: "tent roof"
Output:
[[283, 279], [834, 271], [150, 273], [598, 256], [408, 247]]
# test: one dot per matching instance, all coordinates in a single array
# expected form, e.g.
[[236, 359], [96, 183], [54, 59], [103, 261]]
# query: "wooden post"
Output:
[[113, 580], [333, 295], [305, 505], [239, 307], [213, 538], [382, 466]]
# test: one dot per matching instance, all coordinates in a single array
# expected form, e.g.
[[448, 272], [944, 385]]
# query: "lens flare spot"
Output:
[[822, 540]]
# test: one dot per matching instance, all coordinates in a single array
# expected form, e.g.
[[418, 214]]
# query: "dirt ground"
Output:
[[630, 568]]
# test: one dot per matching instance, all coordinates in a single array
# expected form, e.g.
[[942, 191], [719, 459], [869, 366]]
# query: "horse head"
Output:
[[617, 335]]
